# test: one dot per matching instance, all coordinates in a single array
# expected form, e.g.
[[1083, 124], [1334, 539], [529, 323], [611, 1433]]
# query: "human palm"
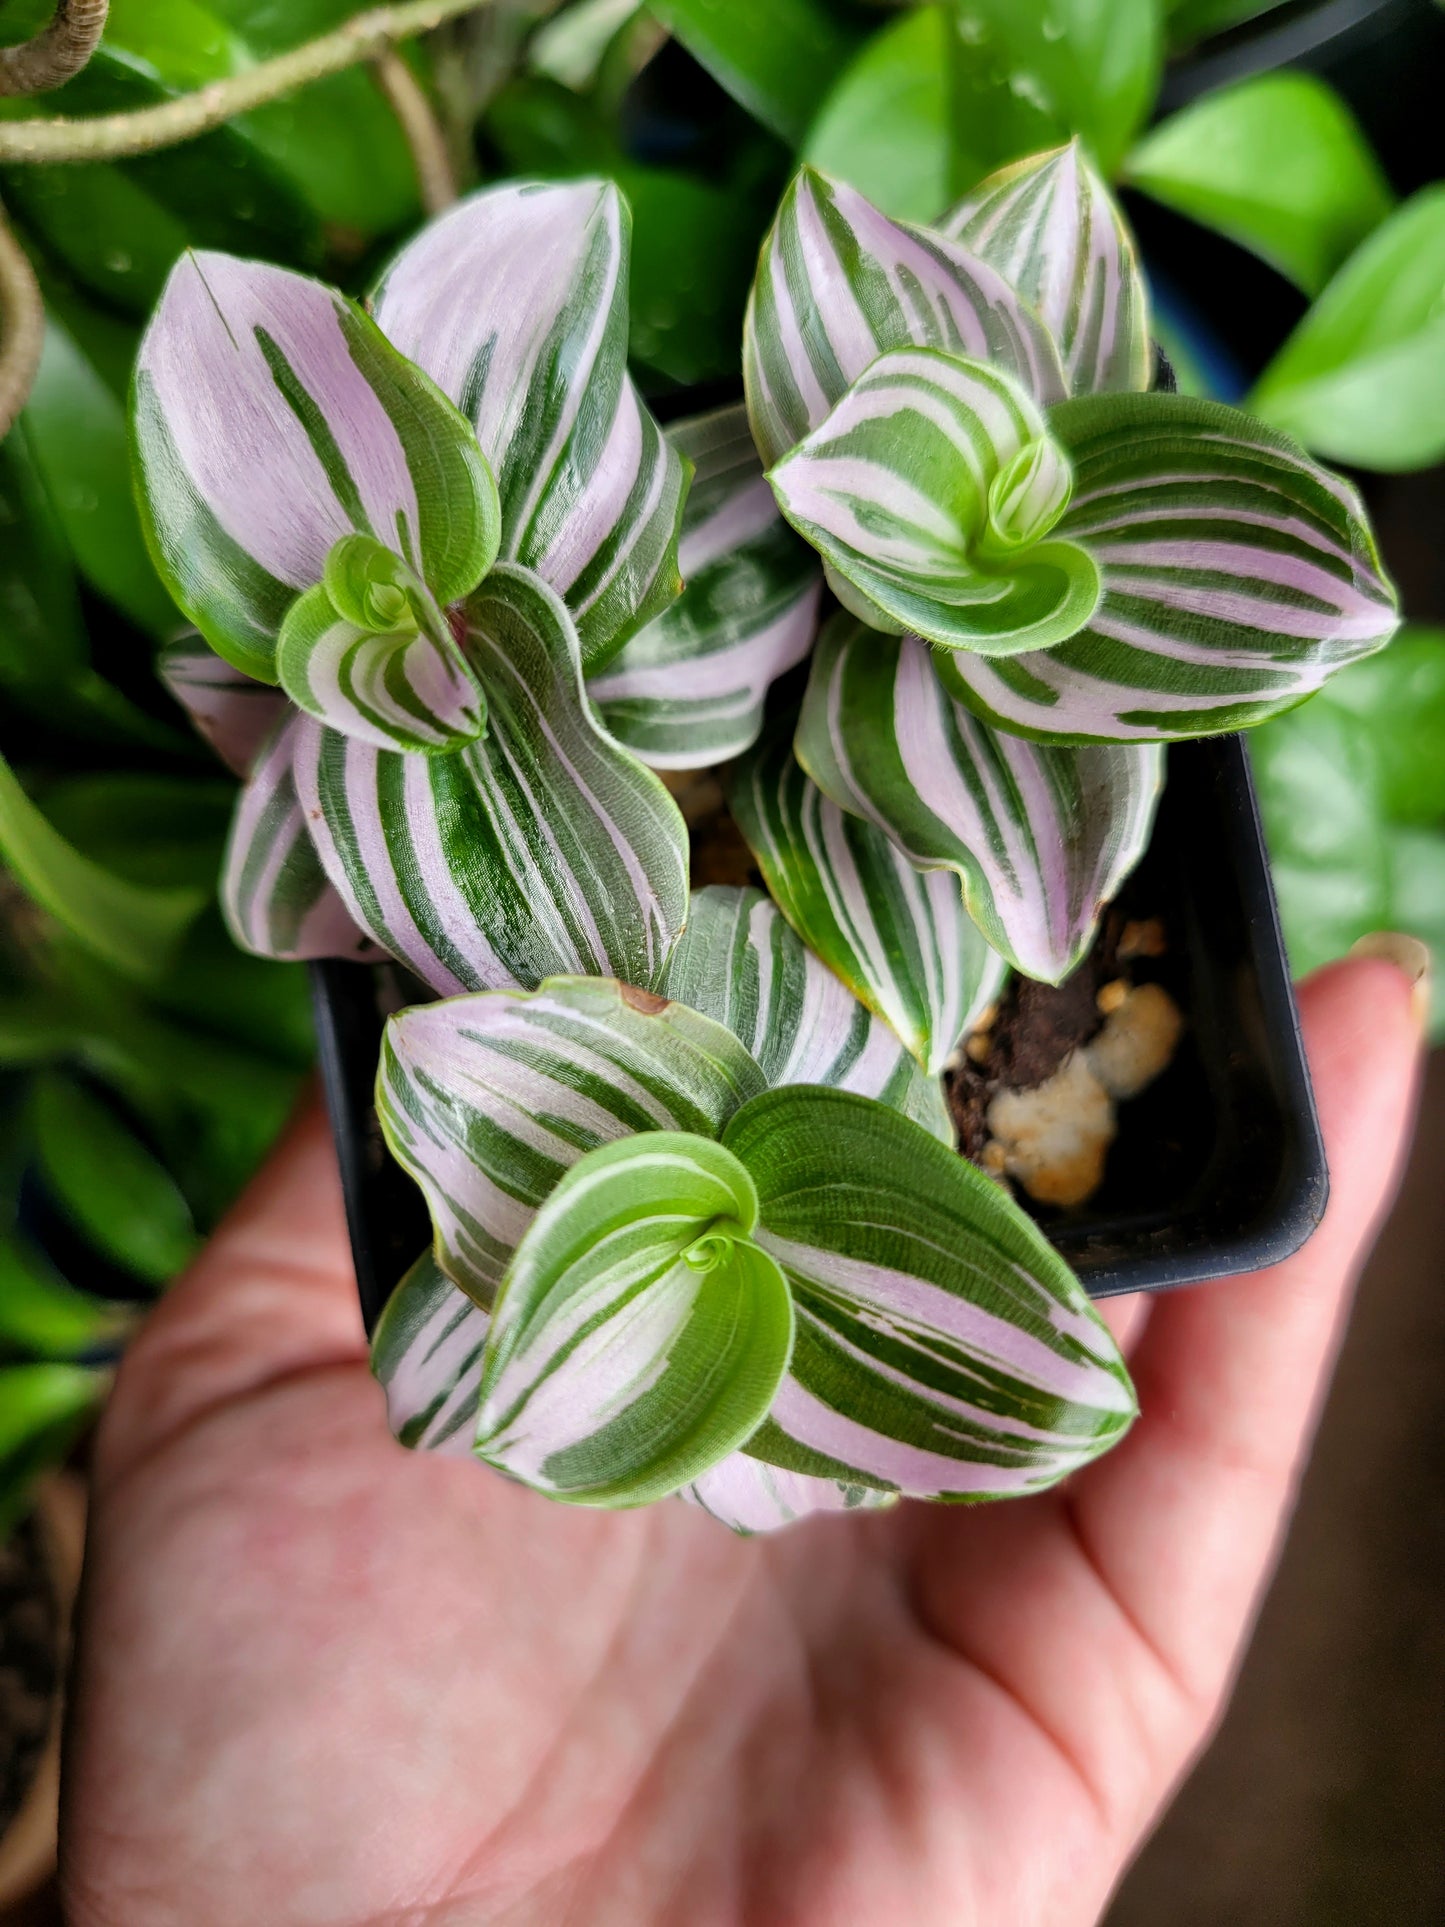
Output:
[[322, 1680]]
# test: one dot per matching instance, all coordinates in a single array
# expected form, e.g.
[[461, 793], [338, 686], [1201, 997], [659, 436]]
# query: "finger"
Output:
[[1126, 1318], [1181, 1520], [273, 1293]]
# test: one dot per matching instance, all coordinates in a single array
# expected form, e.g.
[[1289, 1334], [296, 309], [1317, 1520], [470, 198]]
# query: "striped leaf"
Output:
[[739, 963], [899, 938], [1238, 575], [274, 893], [930, 491], [688, 690], [1041, 837], [233, 711], [749, 1496], [839, 283], [368, 652], [487, 1100], [543, 849], [271, 418], [640, 1335], [1054, 232], [943, 1348], [427, 1353], [515, 302]]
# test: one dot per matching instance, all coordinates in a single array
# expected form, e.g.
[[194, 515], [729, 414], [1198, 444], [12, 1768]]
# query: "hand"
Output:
[[322, 1680]]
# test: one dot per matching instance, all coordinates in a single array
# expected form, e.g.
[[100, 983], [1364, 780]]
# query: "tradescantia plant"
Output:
[[700, 1226]]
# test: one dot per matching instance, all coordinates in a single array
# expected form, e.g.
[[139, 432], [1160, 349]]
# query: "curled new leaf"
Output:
[[640, 1334], [898, 937], [931, 491], [542, 849], [1040, 836], [740, 963], [488, 1099], [943, 1349], [515, 302], [271, 419], [839, 284], [688, 690]]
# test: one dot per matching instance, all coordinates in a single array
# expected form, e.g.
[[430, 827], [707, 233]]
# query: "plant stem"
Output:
[[109, 137], [22, 327], [57, 52], [408, 100]]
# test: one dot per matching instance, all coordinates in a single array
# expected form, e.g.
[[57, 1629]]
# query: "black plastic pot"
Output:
[[1219, 1167]]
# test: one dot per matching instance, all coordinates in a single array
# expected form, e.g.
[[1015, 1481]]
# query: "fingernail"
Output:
[[1409, 956]]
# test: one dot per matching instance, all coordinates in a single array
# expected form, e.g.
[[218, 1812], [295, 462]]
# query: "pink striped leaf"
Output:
[[943, 1349], [234, 712], [1041, 836], [515, 302]]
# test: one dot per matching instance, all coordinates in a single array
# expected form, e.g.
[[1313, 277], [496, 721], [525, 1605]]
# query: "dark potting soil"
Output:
[[29, 1623]]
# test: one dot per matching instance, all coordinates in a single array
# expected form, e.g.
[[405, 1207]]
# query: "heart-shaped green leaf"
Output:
[[640, 1335]]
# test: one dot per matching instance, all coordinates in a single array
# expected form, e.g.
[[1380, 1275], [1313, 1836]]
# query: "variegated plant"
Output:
[[1047, 570], [666, 1264]]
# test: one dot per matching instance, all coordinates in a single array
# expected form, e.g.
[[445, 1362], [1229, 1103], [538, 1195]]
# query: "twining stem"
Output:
[[57, 52], [22, 326], [110, 137], [424, 136]]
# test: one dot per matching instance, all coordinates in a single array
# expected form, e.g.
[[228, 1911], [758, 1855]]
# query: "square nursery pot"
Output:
[[1218, 1167]]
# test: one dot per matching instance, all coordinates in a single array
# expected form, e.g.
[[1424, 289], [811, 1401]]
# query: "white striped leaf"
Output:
[[749, 1496], [687, 691], [931, 491], [487, 1100], [640, 1335], [1053, 230], [943, 1348], [838, 284], [1042, 837], [543, 849], [427, 1353], [272, 418], [515, 301], [899, 938], [368, 652], [234, 712], [274, 892], [740, 963], [1238, 575]]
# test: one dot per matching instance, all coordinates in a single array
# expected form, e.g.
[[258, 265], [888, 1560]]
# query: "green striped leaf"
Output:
[[1238, 575], [1041, 837], [231, 710], [740, 963], [275, 896], [271, 418], [931, 491], [515, 302], [1054, 232], [426, 1352], [487, 1100], [687, 691], [898, 937], [543, 849], [839, 284], [745, 1494], [369, 652], [640, 1334], [943, 1348]]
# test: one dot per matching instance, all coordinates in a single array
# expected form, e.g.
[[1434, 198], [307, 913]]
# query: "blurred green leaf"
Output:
[[228, 994], [114, 1191], [157, 831], [42, 637], [1028, 73], [1193, 20], [778, 58], [36, 1027], [1398, 697], [43, 1408], [885, 126], [75, 429], [43, 1315], [571, 47], [1277, 163], [134, 928], [1362, 378], [1417, 903]]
